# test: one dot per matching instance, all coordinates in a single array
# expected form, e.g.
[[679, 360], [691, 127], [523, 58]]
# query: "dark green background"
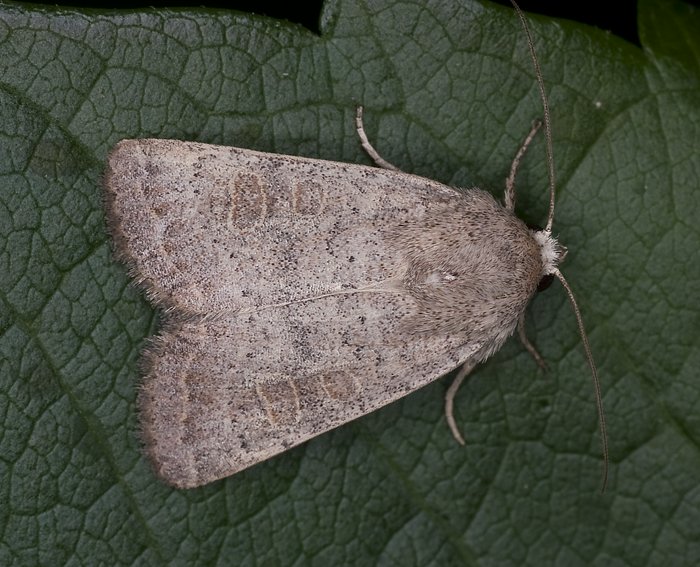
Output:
[[449, 94]]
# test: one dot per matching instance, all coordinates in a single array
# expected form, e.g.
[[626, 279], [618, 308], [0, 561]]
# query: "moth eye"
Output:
[[545, 282]]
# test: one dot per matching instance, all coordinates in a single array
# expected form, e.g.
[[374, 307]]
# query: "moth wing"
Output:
[[223, 395], [209, 228]]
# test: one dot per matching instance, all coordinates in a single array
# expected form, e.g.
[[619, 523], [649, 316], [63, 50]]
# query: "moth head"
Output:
[[551, 251]]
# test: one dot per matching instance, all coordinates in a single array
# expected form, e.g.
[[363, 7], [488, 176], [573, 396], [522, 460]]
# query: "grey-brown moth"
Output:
[[300, 294]]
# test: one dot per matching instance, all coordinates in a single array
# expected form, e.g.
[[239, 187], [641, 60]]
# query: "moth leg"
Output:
[[510, 182], [467, 367], [371, 152], [528, 345]]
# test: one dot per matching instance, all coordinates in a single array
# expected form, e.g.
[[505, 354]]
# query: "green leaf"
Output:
[[449, 93]]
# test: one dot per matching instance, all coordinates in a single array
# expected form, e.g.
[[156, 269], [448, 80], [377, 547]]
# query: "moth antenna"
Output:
[[596, 381], [545, 108], [548, 229]]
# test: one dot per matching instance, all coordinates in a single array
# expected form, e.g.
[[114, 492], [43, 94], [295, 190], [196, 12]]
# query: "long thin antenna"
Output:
[[547, 121], [550, 219], [596, 381]]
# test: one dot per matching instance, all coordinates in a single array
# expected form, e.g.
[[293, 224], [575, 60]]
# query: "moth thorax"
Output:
[[552, 252]]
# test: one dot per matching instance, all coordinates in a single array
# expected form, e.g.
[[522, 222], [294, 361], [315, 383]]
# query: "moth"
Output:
[[300, 294]]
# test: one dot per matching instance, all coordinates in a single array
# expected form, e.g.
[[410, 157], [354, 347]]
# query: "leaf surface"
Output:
[[449, 93]]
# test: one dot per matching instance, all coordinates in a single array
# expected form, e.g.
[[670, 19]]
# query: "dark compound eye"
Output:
[[545, 282]]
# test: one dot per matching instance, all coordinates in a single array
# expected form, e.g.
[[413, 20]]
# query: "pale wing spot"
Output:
[[280, 400], [221, 202], [340, 385], [250, 203], [243, 201], [308, 197]]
